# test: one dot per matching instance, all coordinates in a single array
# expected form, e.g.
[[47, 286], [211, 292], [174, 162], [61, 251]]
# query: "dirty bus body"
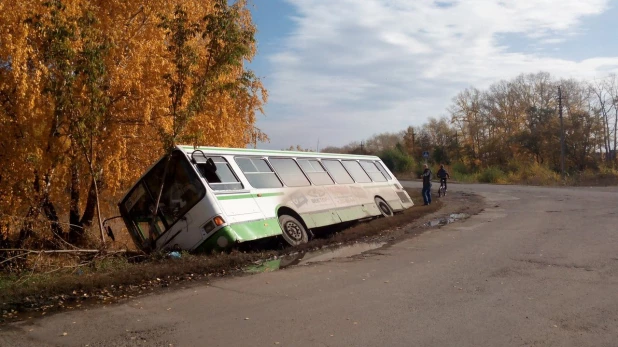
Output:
[[213, 198]]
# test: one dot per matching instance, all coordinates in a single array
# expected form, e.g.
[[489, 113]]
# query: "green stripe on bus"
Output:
[[240, 232], [233, 197], [246, 196]]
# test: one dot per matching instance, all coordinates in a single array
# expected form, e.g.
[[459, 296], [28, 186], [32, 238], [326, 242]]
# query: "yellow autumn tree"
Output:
[[86, 99]]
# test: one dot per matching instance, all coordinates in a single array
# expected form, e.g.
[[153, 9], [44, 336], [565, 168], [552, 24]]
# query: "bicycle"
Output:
[[442, 189]]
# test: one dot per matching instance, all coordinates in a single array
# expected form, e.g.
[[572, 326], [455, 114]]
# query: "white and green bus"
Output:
[[213, 198]]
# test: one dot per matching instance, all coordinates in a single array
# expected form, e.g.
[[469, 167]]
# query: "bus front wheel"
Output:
[[385, 209], [294, 233]]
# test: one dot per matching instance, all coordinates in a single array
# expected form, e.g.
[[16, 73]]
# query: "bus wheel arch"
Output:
[[293, 228], [385, 209]]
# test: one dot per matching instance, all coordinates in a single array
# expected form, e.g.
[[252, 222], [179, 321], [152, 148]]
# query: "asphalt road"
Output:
[[539, 267]]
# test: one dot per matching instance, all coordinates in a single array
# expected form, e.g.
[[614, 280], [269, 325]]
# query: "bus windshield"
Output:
[[182, 189]]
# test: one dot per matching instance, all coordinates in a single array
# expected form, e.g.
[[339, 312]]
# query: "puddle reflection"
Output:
[[447, 220], [313, 257]]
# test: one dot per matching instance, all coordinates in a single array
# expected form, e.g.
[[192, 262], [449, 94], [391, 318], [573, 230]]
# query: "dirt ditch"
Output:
[[117, 279]]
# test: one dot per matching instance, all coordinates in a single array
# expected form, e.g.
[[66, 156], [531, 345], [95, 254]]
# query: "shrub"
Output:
[[514, 166], [603, 177], [536, 174], [492, 174], [464, 178], [396, 160]]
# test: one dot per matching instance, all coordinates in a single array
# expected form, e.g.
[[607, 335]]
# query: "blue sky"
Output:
[[343, 70]]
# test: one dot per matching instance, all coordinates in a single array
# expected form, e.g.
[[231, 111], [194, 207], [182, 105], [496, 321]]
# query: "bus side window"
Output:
[[373, 171], [336, 170], [209, 175], [356, 171], [258, 173], [383, 170], [289, 172], [315, 171], [221, 177]]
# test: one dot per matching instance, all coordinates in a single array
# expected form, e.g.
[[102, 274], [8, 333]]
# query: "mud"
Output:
[[313, 257]]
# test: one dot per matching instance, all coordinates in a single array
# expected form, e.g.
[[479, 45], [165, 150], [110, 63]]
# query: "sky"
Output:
[[339, 71]]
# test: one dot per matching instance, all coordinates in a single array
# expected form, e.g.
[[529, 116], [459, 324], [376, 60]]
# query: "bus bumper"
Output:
[[228, 235]]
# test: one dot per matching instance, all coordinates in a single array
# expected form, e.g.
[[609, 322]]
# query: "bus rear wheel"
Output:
[[385, 209], [294, 233]]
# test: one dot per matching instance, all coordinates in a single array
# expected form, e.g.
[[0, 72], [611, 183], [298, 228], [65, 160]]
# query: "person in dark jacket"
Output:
[[443, 175], [426, 185]]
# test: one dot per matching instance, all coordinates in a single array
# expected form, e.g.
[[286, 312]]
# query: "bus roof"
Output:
[[271, 153]]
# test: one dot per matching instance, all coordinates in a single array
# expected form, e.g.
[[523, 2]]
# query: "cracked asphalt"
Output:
[[538, 267]]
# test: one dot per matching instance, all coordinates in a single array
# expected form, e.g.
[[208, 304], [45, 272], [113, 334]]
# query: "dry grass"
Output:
[[605, 177], [110, 277], [534, 175]]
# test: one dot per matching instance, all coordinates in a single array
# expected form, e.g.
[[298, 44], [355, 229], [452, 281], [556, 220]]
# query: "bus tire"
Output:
[[383, 206], [293, 231]]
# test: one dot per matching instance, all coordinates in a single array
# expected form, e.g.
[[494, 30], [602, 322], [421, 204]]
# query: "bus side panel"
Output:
[[239, 208], [256, 229], [354, 212], [352, 202], [313, 204], [389, 194], [320, 219]]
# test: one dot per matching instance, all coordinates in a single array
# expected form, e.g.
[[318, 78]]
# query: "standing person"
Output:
[[443, 175], [426, 185]]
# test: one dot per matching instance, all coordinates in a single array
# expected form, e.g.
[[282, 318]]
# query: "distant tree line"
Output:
[[511, 126]]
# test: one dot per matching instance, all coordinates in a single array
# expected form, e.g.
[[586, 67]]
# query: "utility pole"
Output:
[[561, 132], [317, 149], [457, 144], [362, 145], [413, 142]]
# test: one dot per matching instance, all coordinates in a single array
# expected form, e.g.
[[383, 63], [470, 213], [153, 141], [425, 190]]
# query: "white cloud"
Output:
[[354, 68]]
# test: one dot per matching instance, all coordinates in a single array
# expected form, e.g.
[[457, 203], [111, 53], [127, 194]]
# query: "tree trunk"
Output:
[[4, 235], [27, 230], [52, 216], [48, 207], [76, 231], [91, 205], [96, 194]]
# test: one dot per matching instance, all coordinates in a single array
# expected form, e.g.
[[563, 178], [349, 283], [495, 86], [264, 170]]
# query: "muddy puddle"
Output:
[[336, 253], [313, 257], [452, 218]]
